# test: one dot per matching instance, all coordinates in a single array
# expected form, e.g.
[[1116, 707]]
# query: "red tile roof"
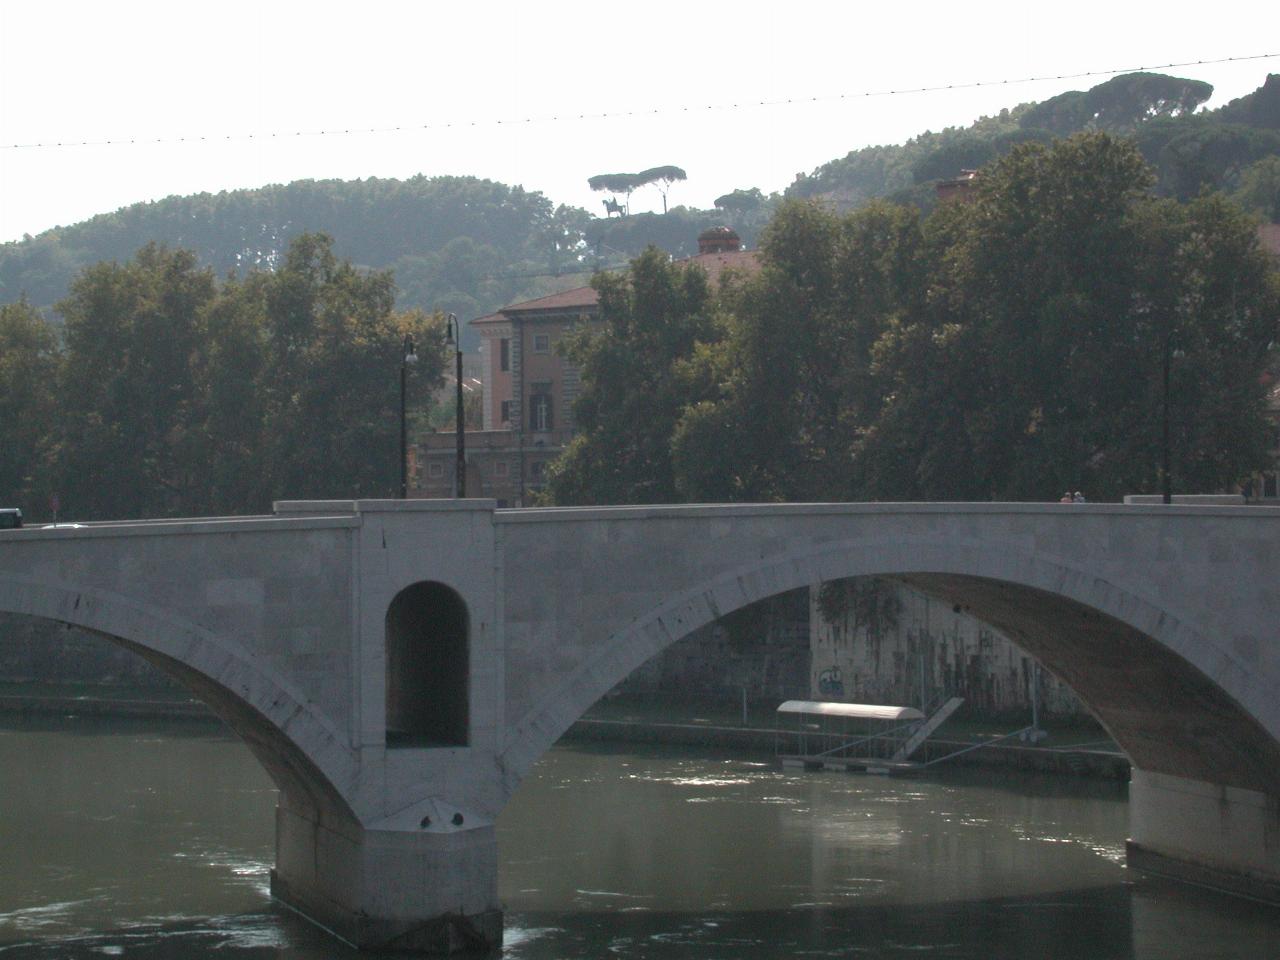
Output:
[[1269, 234], [566, 300], [579, 298], [745, 261], [586, 298]]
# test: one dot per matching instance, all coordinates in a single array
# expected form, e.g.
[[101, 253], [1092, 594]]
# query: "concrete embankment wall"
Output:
[[1103, 764], [756, 740], [41, 706]]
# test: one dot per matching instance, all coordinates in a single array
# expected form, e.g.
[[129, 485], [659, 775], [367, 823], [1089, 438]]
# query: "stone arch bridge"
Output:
[[398, 666]]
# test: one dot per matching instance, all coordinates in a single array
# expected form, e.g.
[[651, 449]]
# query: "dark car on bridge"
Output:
[[10, 517]]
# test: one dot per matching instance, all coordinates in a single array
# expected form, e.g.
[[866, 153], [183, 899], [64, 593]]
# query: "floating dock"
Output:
[[856, 737]]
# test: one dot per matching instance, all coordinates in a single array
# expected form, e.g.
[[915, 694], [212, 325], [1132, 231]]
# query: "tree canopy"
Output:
[[740, 201], [653, 316], [1189, 150], [413, 226], [28, 398], [1260, 189], [1004, 348], [627, 183], [1056, 297], [469, 246], [170, 393], [1118, 105]]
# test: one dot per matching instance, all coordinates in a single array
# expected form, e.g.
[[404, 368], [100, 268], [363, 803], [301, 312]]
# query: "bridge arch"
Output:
[[272, 718], [1175, 698]]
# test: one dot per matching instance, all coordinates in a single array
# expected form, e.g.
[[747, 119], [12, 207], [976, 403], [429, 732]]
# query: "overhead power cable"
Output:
[[565, 117]]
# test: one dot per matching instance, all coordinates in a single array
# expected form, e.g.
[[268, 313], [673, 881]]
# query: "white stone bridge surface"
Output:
[[398, 666]]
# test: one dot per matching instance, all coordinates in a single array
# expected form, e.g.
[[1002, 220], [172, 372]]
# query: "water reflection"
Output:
[[685, 833], [137, 841], [1076, 924]]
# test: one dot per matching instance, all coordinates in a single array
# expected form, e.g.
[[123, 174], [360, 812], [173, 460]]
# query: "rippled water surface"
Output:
[[154, 842]]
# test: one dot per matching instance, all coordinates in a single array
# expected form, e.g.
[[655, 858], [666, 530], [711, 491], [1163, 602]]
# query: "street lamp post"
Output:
[[453, 335], [1166, 478], [409, 357]]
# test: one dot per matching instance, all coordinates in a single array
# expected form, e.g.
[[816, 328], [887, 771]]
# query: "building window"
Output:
[[542, 343], [505, 415], [540, 412], [500, 468], [538, 471], [504, 354], [435, 469]]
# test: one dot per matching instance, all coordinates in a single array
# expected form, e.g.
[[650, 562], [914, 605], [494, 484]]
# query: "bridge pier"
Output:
[[1227, 838], [432, 891]]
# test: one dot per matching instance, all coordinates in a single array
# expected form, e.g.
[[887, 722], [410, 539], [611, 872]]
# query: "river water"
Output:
[[152, 841]]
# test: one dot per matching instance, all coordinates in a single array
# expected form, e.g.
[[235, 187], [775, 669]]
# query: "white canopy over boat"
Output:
[[862, 711]]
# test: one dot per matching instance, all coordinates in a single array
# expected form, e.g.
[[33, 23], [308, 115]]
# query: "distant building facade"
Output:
[[957, 188], [530, 388]]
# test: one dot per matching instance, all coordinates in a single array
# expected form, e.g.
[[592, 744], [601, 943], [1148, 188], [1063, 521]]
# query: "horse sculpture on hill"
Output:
[[612, 206]]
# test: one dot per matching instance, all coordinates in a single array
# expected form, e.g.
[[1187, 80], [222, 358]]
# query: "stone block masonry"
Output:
[[1163, 619]]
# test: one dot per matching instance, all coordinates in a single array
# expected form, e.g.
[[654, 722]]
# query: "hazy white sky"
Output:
[[96, 71]]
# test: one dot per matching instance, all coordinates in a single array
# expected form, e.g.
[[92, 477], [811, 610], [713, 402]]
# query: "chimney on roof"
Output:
[[718, 240]]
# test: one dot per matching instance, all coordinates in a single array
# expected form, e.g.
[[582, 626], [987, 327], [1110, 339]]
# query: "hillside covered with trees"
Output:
[[456, 244], [1035, 337], [1189, 151], [205, 354], [468, 246]]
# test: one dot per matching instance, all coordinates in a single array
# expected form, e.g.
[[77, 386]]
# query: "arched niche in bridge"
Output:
[[428, 667]]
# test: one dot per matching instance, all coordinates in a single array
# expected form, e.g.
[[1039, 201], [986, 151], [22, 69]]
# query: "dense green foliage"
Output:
[[652, 315], [1037, 363], [1118, 105], [1190, 151], [896, 171], [468, 246], [1260, 189], [1004, 348], [609, 242], [455, 244], [170, 393], [459, 244], [28, 366], [793, 381]]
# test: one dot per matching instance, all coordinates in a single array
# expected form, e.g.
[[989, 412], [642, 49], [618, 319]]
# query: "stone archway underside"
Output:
[[1167, 715], [290, 768], [267, 724]]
